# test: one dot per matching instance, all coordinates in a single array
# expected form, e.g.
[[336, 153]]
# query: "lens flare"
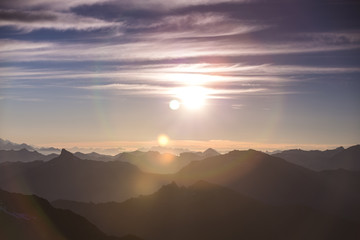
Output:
[[163, 140]]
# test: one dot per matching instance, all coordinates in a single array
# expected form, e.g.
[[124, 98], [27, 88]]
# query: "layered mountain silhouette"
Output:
[[152, 161], [68, 177], [258, 175], [23, 155], [339, 158], [8, 145], [207, 211], [164, 163], [33, 218], [276, 181]]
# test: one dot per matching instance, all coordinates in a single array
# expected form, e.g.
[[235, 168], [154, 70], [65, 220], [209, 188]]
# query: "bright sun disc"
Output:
[[174, 104], [192, 97]]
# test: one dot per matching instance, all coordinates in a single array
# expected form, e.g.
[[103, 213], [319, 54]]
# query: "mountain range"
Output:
[[68, 177], [8, 145], [167, 160], [151, 161], [164, 163], [208, 211], [348, 159], [255, 174]]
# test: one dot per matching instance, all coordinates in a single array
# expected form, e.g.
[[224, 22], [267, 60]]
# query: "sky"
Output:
[[240, 74]]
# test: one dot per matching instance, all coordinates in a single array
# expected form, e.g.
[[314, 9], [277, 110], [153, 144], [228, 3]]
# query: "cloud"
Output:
[[26, 16], [10, 45], [230, 47], [161, 80], [237, 106], [20, 98], [45, 4], [33, 20], [157, 49], [158, 91]]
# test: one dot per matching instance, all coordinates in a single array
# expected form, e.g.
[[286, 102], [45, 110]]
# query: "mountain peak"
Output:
[[210, 152], [65, 153]]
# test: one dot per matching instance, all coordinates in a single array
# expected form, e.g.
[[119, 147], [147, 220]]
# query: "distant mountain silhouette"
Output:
[[164, 163], [348, 159], [175, 151], [207, 211], [8, 145], [68, 177], [151, 161], [23, 155], [148, 161], [276, 181], [33, 218], [94, 156]]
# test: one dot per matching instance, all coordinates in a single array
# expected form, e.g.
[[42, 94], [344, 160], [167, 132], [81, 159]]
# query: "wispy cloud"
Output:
[[34, 20], [162, 80], [160, 91], [153, 50]]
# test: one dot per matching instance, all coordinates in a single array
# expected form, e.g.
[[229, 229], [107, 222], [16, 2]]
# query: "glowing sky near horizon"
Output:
[[233, 71]]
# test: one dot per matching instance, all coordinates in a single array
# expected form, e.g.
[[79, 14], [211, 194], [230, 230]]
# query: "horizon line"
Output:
[[192, 145]]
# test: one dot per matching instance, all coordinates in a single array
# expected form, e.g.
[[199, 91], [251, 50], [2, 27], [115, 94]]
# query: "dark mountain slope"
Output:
[[33, 218], [253, 173], [206, 211], [274, 180]]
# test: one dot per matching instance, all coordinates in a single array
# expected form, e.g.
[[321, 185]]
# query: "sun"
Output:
[[192, 97], [174, 104]]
